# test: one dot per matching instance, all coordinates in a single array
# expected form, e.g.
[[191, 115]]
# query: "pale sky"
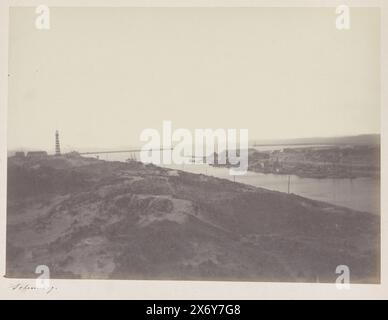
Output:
[[102, 75]]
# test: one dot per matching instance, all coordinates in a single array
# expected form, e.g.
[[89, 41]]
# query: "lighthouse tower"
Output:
[[57, 147]]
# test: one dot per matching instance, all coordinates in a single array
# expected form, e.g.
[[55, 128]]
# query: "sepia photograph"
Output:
[[221, 144]]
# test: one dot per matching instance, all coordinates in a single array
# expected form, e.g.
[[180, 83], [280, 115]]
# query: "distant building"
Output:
[[36, 154], [19, 154], [72, 154]]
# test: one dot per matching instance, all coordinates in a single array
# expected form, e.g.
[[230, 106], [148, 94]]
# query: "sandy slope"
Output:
[[86, 218]]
